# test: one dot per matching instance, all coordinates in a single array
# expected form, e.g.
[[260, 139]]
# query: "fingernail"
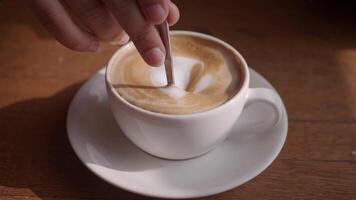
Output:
[[94, 46], [155, 12], [154, 57], [120, 40]]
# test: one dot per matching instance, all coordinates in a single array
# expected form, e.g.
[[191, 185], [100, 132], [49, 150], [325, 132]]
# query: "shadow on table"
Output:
[[36, 154]]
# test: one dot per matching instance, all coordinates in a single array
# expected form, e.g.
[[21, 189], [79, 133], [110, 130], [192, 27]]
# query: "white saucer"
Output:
[[102, 147]]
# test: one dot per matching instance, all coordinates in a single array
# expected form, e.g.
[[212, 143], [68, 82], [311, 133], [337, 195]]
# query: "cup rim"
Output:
[[244, 84]]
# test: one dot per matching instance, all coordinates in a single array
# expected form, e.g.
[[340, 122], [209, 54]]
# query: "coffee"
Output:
[[206, 73]]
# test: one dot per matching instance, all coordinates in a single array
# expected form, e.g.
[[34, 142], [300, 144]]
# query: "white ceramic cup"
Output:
[[190, 135]]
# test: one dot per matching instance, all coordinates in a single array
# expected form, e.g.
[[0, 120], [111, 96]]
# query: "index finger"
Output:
[[143, 34]]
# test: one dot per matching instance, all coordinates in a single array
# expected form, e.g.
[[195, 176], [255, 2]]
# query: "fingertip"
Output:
[[89, 44], [94, 46], [156, 13], [154, 57], [120, 40], [173, 15]]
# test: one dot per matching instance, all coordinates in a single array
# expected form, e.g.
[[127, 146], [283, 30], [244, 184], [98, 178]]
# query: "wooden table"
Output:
[[307, 49]]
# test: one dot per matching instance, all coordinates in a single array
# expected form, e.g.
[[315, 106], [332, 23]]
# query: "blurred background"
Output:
[[305, 48]]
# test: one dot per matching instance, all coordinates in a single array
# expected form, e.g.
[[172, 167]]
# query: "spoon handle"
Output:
[[163, 30]]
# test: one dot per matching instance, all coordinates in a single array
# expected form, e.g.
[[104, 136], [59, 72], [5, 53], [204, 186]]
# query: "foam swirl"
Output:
[[206, 75]]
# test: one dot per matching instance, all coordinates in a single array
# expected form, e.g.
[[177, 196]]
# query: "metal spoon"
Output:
[[163, 30]]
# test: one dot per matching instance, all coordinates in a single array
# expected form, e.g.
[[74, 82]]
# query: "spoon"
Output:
[[163, 30]]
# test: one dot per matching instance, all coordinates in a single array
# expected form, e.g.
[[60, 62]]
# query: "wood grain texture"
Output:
[[307, 49]]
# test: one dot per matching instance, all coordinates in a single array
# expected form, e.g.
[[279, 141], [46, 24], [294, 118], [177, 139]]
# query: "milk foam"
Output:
[[182, 67], [203, 83], [174, 91], [205, 76]]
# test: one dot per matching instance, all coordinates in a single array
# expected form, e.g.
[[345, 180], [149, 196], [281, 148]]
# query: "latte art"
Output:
[[206, 75], [186, 71]]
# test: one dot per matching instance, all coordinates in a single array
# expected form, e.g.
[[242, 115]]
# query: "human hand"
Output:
[[80, 24]]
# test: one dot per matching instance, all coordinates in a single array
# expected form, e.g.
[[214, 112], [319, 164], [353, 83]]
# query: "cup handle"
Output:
[[269, 97]]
